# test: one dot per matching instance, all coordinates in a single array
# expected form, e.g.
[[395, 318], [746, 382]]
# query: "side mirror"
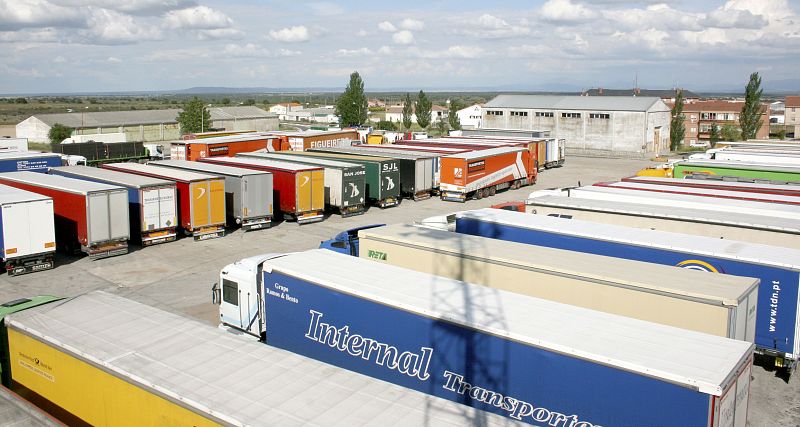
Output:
[[216, 298]]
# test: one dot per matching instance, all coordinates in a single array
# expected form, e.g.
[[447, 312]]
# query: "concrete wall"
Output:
[[33, 129], [260, 124], [622, 134]]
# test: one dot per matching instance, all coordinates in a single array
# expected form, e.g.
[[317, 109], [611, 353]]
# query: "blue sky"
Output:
[[120, 45]]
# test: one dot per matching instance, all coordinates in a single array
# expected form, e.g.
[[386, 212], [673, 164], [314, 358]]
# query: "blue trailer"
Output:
[[527, 359], [778, 314], [28, 161]]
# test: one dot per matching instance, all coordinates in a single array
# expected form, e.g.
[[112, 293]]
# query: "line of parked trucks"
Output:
[[482, 317], [222, 181]]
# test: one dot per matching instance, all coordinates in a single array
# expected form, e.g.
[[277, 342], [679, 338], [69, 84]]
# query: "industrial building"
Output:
[[618, 126], [470, 117], [144, 125]]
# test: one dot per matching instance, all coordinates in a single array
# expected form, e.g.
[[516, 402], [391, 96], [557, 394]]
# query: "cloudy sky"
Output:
[[120, 45]]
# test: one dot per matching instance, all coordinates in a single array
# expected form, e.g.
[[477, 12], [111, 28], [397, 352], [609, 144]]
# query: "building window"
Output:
[[571, 115], [494, 113], [544, 114], [519, 114], [599, 116], [708, 116], [693, 130]]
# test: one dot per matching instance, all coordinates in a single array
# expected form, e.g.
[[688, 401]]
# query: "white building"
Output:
[[284, 108], [325, 115], [144, 125], [629, 126], [395, 114], [470, 117]]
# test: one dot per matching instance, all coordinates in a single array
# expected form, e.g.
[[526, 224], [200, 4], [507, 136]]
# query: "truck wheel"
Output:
[[493, 191], [479, 194]]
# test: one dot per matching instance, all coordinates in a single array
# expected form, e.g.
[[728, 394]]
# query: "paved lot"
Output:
[[178, 276]]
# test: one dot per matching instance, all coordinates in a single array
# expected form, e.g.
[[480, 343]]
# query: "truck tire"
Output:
[[492, 191], [479, 194]]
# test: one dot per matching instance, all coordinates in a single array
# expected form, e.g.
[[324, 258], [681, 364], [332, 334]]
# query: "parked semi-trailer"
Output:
[[528, 359], [745, 187], [90, 217], [416, 169], [723, 305], [383, 175], [762, 229], [481, 173], [106, 361], [28, 161], [777, 330], [771, 157], [747, 170], [714, 193], [224, 146], [201, 198], [98, 152], [27, 233], [299, 189], [345, 183], [152, 202], [248, 193], [685, 201]]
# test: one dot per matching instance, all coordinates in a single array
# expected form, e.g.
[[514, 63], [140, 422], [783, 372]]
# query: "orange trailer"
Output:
[[478, 174], [224, 146]]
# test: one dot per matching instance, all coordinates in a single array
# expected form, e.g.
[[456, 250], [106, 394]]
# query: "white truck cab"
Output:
[[239, 297]]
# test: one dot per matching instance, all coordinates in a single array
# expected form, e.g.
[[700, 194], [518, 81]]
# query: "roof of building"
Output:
[[573, 102], [145, 117], [793, 101], [399, 108], [659, 93]]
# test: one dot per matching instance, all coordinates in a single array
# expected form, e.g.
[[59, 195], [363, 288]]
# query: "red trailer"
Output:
[[90, 217], [299, 189], [481, 173]]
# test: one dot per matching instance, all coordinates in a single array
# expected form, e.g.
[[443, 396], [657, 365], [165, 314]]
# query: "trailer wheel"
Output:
[[479, 194], [492, 191]]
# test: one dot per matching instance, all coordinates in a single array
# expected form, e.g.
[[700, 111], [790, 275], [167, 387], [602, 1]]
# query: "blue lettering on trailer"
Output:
[[472, 367], [777, 293]]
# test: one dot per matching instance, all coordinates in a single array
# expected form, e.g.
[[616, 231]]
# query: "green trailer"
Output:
[[741, 171], [383, 174]]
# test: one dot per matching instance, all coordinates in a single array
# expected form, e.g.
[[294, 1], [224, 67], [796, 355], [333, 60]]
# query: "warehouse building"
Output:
[[144, 125], [617, 126]]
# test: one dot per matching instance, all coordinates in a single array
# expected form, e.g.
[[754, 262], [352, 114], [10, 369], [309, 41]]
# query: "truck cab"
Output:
[[346, 242], [238, 295]]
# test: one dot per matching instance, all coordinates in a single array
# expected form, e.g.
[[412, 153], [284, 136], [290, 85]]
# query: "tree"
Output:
[[386, 125], [714, 137], [677, 127], [21, 101], [441, 126], [408, 111], [423, 108], [226, 101], [452, 115], [351, 107], [731, 133], [250, 101], [56, 134], [750, 117], [195, 117]]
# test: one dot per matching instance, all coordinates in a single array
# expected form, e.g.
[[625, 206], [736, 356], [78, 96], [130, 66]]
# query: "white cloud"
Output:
[[387, 27], [110, 27], [403, 37], [385, 50], [16, 14], [727, 17], [59, 60], [362, 33], [113, 60], [290, 35], [220, 34], [491, 22], [249, 50], [326, 9], [288, 52], [135, 7], [459, 51], [197, 18], [566, 11], [489, 26], [354, 52], [412, 24]]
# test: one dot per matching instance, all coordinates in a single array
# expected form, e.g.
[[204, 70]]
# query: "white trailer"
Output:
[[784, 158], [762, 229], [28, 239]]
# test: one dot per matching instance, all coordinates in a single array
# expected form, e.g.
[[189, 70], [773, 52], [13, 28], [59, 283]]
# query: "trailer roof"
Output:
[[277, 164], [692, 359], [112, 176], [471, 155], [22, 155], [171, 174], [395, 154], [683, 214], [739, 165], [427, 148], [242, 137], [70, 185], [714, 183], [10, 194], [687, 201], [289, 157], [719, 289], [667, 189], [678, 242], [355, 156], [243, 381], [209, 168]]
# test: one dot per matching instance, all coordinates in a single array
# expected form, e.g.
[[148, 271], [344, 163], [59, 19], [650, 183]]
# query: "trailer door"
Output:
[[16, 241], [303, 190], [99, 221], [41, 227], [318, 189], [200, 203]]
